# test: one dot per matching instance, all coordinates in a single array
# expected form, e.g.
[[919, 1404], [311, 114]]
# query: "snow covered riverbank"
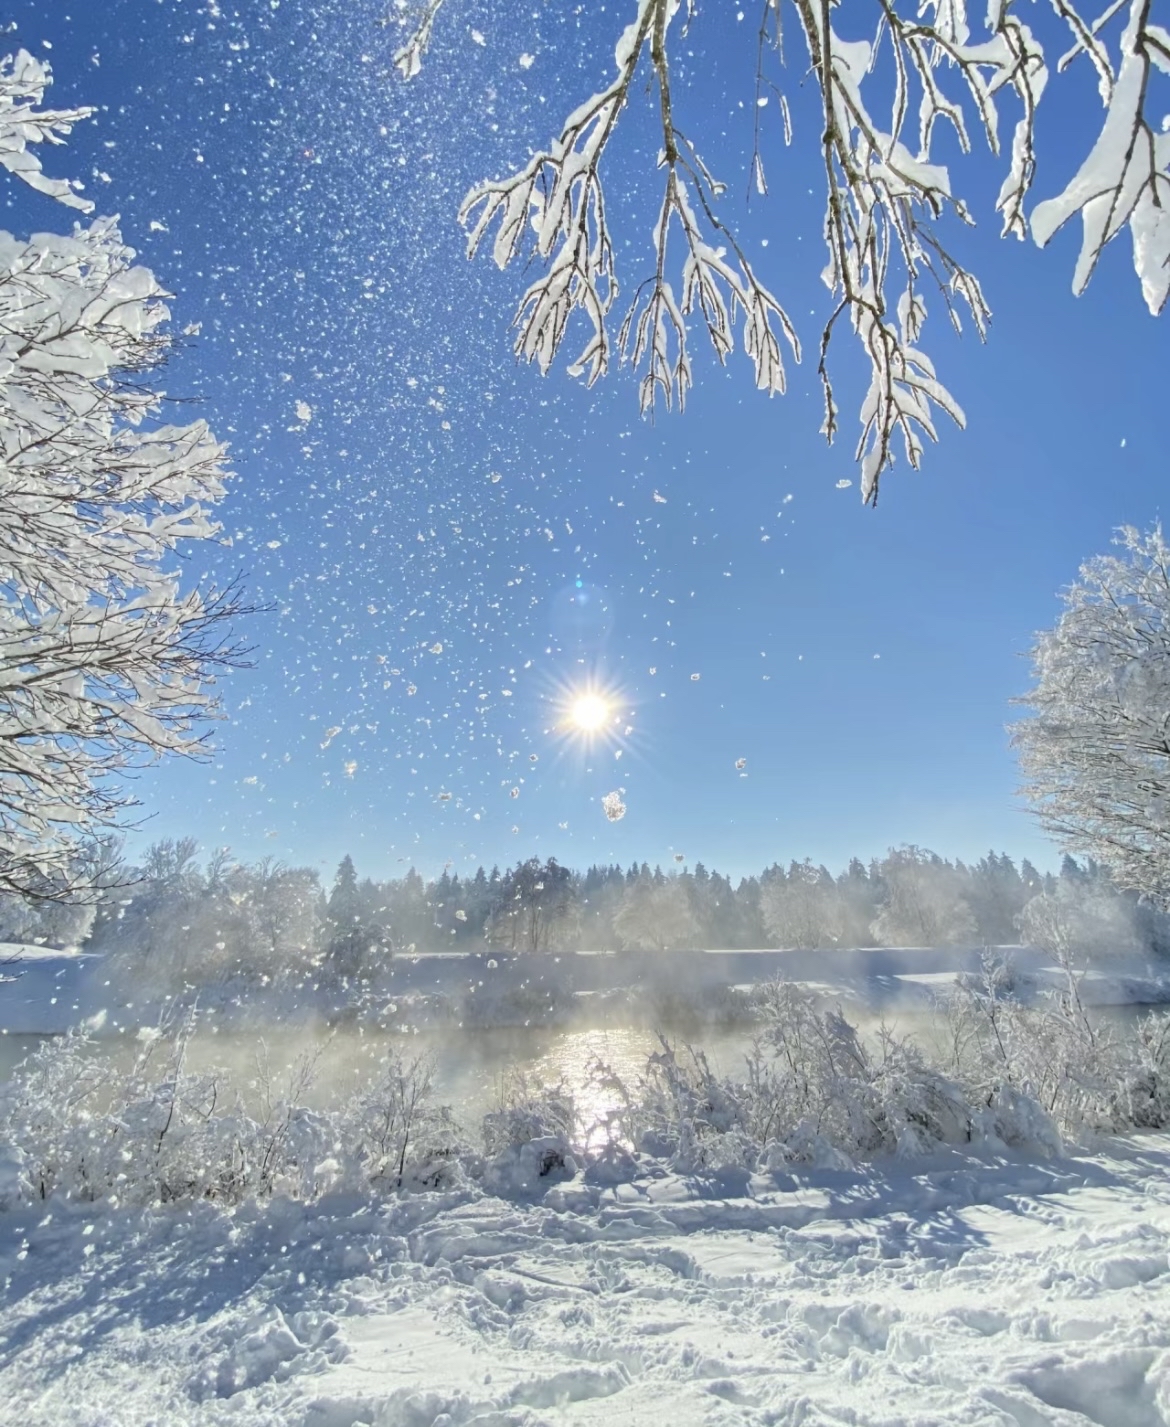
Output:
[[43, 991], [984, 1292]]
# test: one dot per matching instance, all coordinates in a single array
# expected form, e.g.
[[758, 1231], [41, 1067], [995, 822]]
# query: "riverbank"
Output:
[[47, 992]]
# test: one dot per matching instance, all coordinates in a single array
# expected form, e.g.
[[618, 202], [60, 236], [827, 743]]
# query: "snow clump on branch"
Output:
[[885, 189]]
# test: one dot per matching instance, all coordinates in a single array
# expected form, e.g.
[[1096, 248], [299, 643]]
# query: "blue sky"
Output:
[[300, 201]]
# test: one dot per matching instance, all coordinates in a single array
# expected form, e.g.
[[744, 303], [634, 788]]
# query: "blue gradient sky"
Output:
[[302, 202]]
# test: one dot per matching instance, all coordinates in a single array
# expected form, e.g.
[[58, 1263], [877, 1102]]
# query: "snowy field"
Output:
[[985, 1293], [937, 1285]]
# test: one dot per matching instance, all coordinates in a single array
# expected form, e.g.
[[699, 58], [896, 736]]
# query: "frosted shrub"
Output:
[[77, 1124], [147, 1133], [687, 1114], [814, 1083], [1085, 1077], [395, 1134], [1148, 1086], [530, 1134], [814, 1093]]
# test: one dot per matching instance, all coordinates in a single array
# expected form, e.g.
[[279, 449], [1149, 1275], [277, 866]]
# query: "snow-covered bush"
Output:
[[814, 1091], [684, 1112], [395, 1133], [530, 1134], [814, 1082], [86, 1123], [76, 1122], [1084, 1076], [150, 1132]]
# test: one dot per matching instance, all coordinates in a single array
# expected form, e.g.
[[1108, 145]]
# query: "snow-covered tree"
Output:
[[105, 661], [655, 914], [1096, 755], [922, 901], [996, 894], [537, 907], [899, 88], [1080, 921], [802, 909], [278, 916]]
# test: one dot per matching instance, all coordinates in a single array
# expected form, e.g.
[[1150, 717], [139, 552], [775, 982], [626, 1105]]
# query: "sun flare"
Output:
[[589, 713]]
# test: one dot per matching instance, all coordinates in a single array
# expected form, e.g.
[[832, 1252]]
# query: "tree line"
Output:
[[196, 920]]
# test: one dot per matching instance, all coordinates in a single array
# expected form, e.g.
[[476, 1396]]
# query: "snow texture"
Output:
[[992, 1294]]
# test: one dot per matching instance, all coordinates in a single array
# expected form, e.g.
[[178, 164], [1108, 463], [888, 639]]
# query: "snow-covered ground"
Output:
[[988, 1293]]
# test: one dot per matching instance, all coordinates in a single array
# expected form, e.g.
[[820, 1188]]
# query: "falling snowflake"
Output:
[[526, 61], [741, 763], [350, 767], [436, 649], [304, 412], [613, 807], [695, 678], [659, 499], [460, 915]]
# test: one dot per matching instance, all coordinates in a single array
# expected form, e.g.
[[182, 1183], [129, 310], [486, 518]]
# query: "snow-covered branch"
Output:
[[1125, 180], [23, 81], [889, 201], [559, 197]]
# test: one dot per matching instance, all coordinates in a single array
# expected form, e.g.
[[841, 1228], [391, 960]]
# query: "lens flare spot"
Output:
[[589, 713]]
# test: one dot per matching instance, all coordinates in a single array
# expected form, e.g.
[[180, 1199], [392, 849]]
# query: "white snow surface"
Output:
[[976, 1292]]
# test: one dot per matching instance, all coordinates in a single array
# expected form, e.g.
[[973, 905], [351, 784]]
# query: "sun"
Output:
[[589, 713]]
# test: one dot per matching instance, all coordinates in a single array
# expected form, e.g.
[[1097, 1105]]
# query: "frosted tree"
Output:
[[1079, 921], [1096, 754], [897, 86], [802, 909], [105, 661], [537, 907], [655, 914], [922, 901], [278, 915]]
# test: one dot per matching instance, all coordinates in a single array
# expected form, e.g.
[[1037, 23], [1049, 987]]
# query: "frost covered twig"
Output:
[[23, 81], [408, 58], [559, 194], [1125, 180], [886, 195]]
